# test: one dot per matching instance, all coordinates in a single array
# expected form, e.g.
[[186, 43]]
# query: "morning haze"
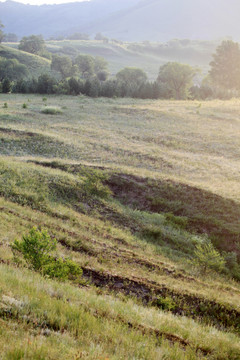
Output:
[[119, 180]]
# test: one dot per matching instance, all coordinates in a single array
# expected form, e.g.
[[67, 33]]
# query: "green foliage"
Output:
[[208, 258], [93, 184], [50, 110], [85, 64], [6, 86], [36, 248], [5, 105], [166, 303], [33, 44], [177, 78], [10, 37], [12, 69], [62, 269], [63, 64], [24, 106], [225, 67], [45, 84], [1, 32], [132, 76]]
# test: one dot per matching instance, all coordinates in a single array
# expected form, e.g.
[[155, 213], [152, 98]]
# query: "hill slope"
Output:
[[36, 65], [155, 20], [127, 188]]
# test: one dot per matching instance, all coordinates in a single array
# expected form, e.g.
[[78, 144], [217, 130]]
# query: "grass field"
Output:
[[172, 169]]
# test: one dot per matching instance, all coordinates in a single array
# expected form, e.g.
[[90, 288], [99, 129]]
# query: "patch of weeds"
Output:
[[166, 303], [36, 248], [24, 106], [5, 105], [93, 184], [179, 221], [51, 110]]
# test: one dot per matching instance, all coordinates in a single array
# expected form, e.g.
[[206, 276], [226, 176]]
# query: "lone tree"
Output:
[[176, 79], [132, 76], [1, 32], [63, 64], [225, 67], [85, 64], [33, 44]]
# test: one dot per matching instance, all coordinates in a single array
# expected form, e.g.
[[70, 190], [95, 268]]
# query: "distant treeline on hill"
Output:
[[88, 75]]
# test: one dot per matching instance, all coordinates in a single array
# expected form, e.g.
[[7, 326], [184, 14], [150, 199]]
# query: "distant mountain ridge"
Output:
[[129, 20]]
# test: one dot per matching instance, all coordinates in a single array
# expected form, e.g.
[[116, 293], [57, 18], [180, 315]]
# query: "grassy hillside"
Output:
[[171, 174], [36, 65], [147, 56]]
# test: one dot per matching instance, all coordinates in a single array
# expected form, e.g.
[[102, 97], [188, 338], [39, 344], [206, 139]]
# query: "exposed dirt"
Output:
[[152, 293]]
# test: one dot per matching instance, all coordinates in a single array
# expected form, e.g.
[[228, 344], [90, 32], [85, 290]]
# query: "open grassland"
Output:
[[172, 169]]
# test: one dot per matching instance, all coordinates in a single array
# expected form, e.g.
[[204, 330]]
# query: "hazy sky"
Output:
[[40, 2]]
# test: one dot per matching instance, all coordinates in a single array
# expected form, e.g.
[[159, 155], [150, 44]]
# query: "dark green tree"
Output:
[[45, 84], [225, 67], [74, 86], [85, 64], [102, 75], [176, 79], [12, 69], [6, 86], [33, 44], [100, 64], [10, 37], [132, 76], [1, 32], [62, 64]]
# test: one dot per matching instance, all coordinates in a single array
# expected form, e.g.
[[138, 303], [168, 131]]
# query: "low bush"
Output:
[[51, 110], [37, 249]]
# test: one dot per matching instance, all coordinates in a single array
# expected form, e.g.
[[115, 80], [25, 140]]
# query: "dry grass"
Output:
[[188, 142]]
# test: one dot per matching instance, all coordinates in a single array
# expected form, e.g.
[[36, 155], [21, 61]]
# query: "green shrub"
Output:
[[51, 110], [5, 105], [180, 221], [207, 257], [24, 106], [36, 248], [62, 269], [166, 303]]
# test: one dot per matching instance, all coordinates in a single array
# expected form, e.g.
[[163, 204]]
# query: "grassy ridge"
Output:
[[140, 298], [36, 65]]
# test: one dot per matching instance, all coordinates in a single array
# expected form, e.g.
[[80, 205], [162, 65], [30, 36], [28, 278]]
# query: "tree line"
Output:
[[89, 75]]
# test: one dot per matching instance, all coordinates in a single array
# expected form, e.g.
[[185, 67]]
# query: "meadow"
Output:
[[166, 177]]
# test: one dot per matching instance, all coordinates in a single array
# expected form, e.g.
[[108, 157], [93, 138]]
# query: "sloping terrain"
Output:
[[133, 233], [135, 20], [36, 65]]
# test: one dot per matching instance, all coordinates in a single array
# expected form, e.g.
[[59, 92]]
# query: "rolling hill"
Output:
[[36, 65], [128, 188], [155, 20]]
